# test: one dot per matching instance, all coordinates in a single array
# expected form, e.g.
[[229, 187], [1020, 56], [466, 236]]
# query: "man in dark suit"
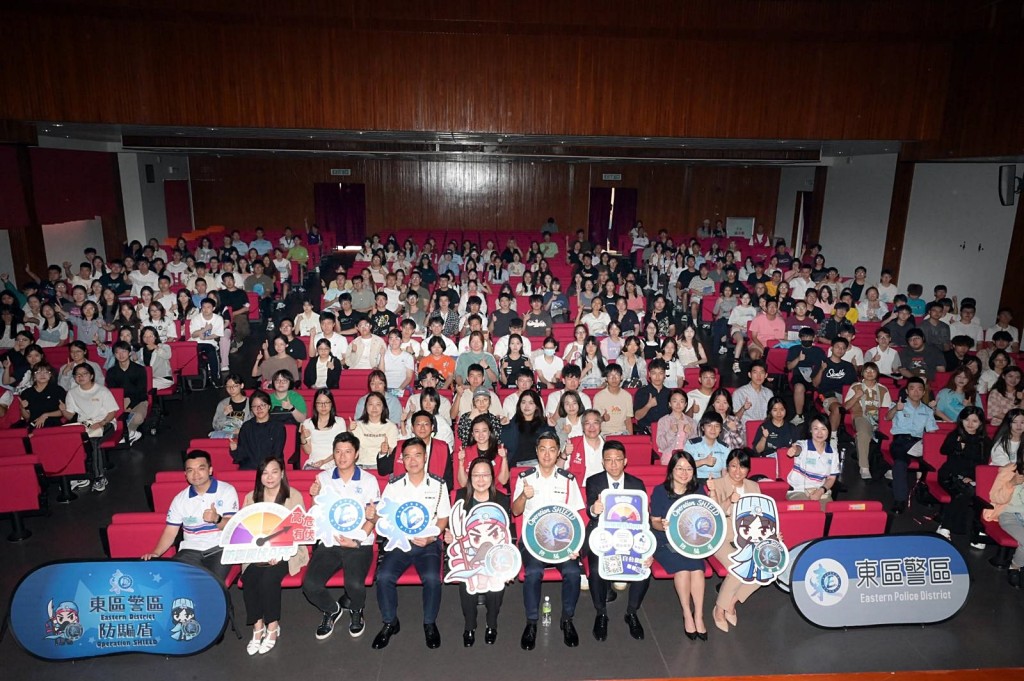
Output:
[[614, 477]]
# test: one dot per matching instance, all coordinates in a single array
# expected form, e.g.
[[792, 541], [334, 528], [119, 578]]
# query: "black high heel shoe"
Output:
[[702, 635], [692, 635]]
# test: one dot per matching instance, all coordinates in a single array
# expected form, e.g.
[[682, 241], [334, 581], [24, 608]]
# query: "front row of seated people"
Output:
[[202, 510]]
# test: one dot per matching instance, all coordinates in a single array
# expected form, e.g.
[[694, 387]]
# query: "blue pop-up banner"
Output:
[[879, 580], [74, 610]]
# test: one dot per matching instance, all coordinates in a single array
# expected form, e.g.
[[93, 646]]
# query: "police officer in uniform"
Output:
[[535, 488], [431, 491]]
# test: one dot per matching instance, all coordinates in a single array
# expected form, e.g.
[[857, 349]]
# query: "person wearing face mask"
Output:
[[803, 361]]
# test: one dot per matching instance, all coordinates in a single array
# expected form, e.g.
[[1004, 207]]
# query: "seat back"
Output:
[[766, 466], [13, 442], [61, 451], [134, 539], [849, 518], [19, 475], [801, 524]]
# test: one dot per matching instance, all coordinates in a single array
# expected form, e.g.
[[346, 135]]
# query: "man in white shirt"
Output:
[[887, 290], [799, 284], [501, 345], [201, 511], [700, 396], [416, 485], [354, 556], [582, 455], [967, 325], [1003, 319], [328, 330], [177, 267], [143, 276], [534, 488], [207, 329]]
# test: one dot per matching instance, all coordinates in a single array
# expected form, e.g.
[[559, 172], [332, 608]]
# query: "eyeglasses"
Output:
[[685, 470], [614, 459], [261, 405], [323, 403]]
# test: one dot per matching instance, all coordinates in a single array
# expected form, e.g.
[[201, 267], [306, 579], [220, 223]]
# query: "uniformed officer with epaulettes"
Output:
[[534, 488]]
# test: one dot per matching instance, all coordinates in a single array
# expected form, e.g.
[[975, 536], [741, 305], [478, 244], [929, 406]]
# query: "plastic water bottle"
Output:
[[545, 612]]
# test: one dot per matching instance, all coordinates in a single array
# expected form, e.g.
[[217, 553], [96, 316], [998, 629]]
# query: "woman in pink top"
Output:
[[674, 428]]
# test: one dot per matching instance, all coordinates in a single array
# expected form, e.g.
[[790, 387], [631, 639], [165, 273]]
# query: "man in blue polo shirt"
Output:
[[201, 511]]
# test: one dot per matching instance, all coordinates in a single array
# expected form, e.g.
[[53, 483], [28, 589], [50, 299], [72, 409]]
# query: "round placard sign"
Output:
[[346, 515], [412, 517], [553, 533], [695, 526]]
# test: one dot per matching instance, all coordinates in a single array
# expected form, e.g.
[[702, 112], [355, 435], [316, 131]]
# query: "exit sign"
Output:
[[341, 172], [612, 177]]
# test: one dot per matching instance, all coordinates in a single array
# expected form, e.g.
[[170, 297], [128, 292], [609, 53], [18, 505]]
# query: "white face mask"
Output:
[[549, 352]]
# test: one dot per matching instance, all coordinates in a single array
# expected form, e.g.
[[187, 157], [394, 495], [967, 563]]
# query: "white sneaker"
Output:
[[584, 583], [865, 473], [888, 475], [133, 437], [79, 484], [620, 586], [797, 420], [977, 544], [942, 532], [723, 350], [100, 485]]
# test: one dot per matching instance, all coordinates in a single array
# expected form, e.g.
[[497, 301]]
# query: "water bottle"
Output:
[[545, 612]]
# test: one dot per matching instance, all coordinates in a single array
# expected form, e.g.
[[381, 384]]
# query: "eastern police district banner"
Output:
[[74, 610], [869, 581]]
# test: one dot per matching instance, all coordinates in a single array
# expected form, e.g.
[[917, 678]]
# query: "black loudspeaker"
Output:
[[1008, 184], [150, 174]]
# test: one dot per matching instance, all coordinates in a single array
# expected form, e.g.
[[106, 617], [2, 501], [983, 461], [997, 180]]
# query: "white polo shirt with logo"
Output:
[[187, 508]]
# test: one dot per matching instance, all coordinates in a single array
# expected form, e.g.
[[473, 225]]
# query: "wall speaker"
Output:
[[1009, 184]]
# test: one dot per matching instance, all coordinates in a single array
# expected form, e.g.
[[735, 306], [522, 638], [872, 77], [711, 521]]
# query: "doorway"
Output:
[[340, 209]]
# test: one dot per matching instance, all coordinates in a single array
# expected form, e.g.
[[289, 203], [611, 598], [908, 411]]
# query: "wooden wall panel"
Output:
[[245, 192], [582, 68]]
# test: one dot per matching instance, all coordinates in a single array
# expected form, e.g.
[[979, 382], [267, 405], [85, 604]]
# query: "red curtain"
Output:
[[600, 207], [13, 213], [340, 210], [178, 206], [624, 216], [72, 185]]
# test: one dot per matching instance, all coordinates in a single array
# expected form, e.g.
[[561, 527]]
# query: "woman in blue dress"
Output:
[[687, 573]]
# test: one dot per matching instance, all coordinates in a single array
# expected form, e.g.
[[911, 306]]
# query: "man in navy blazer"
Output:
[[614, 477]]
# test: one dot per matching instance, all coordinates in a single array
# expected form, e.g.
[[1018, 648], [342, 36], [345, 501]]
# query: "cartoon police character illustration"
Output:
[[186, 627], [64, 626], [481, 551], [760, 554]]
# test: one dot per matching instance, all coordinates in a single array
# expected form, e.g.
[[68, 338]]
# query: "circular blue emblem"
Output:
[[346, 515], [412, 518]]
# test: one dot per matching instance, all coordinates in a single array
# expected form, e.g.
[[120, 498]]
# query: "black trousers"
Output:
[[492, 603], [262, 591], [325, 562], [205, 559], [599, 588]]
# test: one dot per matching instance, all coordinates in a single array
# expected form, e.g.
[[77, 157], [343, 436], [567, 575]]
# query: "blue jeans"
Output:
[[427, 560], [570, 570]]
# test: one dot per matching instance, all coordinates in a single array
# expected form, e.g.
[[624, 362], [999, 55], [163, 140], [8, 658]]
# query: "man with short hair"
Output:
[[750, 402], [614, 404], [613, 476], [936, 331], [534, 488], [382, 319], [919, 359], [911, 418], [425, 553], [362, 298], [651, 401], [365, 350], [501, 317], [237, 301], [200, 511], [142, 277], [132, 379], [831, 379], [260, 243], [354, 556], [207, 328], [1003, 319], [571, 379]]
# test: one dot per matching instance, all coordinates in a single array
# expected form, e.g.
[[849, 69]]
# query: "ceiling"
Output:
[[462, 146]]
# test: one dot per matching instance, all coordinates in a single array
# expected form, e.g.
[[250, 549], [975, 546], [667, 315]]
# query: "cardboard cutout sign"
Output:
[[695, 526], [337, 515], [482, 556], [262, 532], [623, 540], [74, 610], [553, 533], [760, 555], [401, 522]]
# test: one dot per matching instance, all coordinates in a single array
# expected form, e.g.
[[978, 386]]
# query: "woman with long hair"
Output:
[[484, 444], [259, 437], [1004, 395], [964, 448], [262, 592], [1006, 443], [232, 411], [152, 353], [1007, 495], [376, 433], [961, 390], [687, 573], [733, 434]]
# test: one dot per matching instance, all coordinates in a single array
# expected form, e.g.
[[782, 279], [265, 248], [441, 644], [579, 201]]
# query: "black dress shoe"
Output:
[[383, 637], [569, 635], [529, 639], [468, 638], [702, 635], [636, 630], [692, 635], [601, 626], [433, 636], [490, 636]]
